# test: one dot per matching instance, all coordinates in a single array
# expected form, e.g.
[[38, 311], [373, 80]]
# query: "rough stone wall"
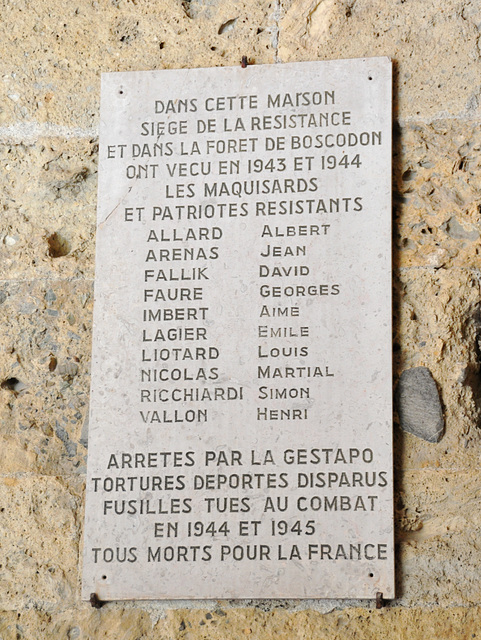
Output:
[[52, 53]]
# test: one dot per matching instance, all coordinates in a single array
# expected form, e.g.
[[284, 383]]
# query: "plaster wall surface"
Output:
[[52, 54]]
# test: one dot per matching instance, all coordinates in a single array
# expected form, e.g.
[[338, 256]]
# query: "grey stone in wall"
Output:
[[418, 404]]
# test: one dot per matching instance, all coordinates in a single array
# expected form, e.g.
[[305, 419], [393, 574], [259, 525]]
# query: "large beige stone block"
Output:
[[436, 325], [52, 54], [45, 332], [437, 195], [223, 623], [39, 537], [48, 193], [8, 625], [437, 503], [434, 45], [85, 623], [439, 573], [438, 532]]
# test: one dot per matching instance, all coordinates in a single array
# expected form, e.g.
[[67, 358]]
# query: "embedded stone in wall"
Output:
[[419, 406]]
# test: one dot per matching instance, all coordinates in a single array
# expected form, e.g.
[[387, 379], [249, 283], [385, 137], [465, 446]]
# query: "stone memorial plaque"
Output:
[[240, 425]]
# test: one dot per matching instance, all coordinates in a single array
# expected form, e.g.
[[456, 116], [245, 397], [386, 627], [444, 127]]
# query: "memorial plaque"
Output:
[[240, 424]]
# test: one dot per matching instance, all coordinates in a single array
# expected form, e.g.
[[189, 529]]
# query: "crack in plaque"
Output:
[[113, 211]]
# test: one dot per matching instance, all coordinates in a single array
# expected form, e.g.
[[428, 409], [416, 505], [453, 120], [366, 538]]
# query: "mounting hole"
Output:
[[104, 577], [369, 77], [58, 246], [13, 384], [371, 575]]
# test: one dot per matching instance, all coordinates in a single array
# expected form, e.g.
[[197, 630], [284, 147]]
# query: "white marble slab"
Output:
[[240, 429]]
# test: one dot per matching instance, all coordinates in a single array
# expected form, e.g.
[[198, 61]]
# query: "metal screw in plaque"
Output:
[[240, 427]]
